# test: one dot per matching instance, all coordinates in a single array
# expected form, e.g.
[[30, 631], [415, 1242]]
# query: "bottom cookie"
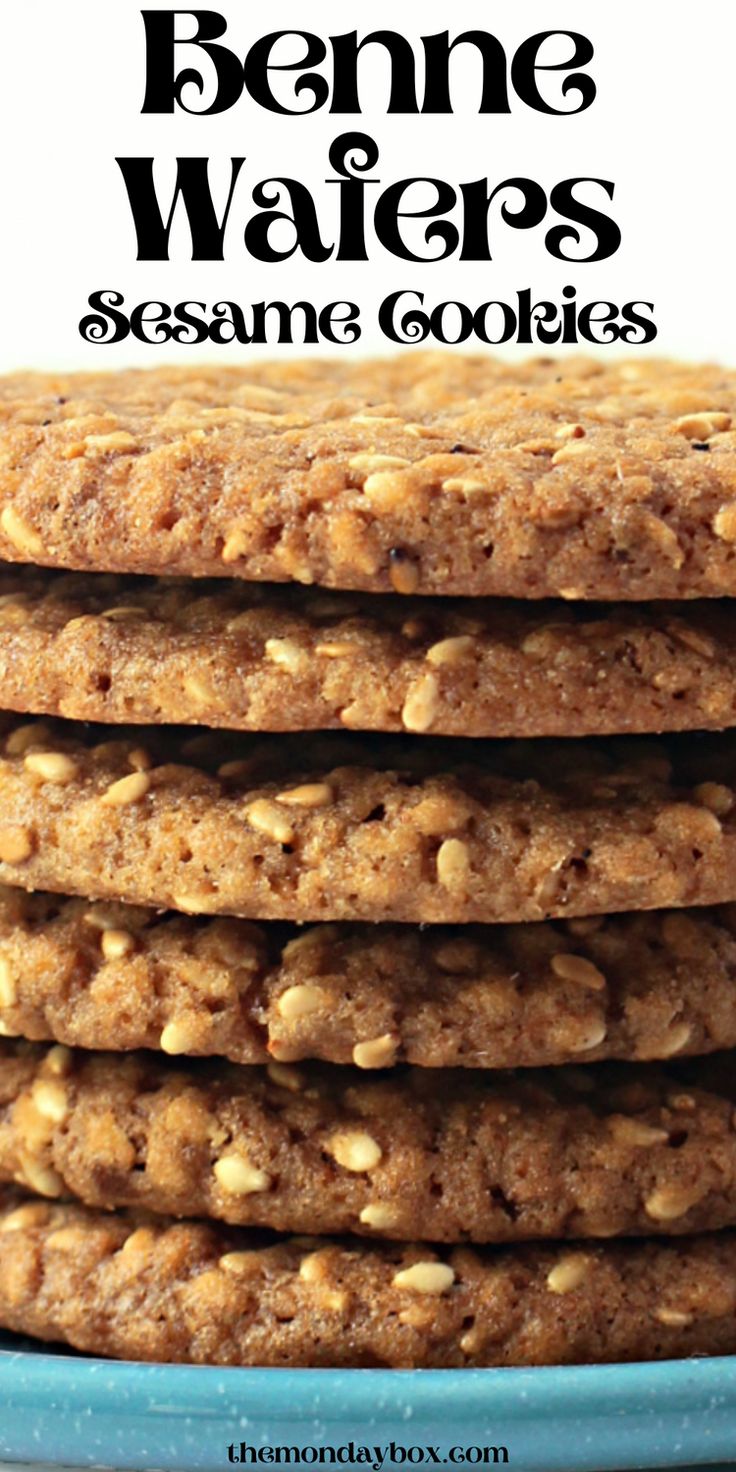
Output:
[[141, 1288]]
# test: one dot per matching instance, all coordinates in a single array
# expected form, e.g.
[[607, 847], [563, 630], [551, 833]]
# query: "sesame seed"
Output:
[[8, 985], [421, 704], [371, 462], [451, 651], [58, 1060], [100, 918], [44, 1180], [33, 733], [714, 796], [669, 1203], [235, 769], [379, 1214], [118, 441], [236, 543], [125, 613], [724, 523], [355, 1150], [675, 1040], [457, 957], [178, 1036], [702, 426], [14, 613], [267, 818], [139, 1243], [673, 1318], [453, 865], [313, 1269], [315, 935], [385, 490], [287, 654], [310, 795], [574, 968], [467, 485], [569, 1273], [285, 1077], [116, 943], [236, 1176], [403, 571], [50, 1100], [593, 1036], [67, 1239], [376, 1052], [300, 1001], [633, 1132], [335, 1300], [240, 1263], [51, 766], [434, 1278], [33, 1214], [23, 536], [139, 759], [16, 845], [336, 649], [240, 621], [126, 790]]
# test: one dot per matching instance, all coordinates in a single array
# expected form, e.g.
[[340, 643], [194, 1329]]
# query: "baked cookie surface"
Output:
[[599, 1152], [116, 977], [250, 657], [421, 473], [135, 1288], [334, 827]]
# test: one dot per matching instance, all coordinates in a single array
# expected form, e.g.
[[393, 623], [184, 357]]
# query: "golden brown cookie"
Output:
[[431, 473], [117, 977], [242, 655], [611, 1150], [384, 828], [139, 1289]]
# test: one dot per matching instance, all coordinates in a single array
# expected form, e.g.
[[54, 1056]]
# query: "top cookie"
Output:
[[421, 473]]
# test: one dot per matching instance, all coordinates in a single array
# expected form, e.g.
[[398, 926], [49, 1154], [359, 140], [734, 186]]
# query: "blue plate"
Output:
[[66, 1409]]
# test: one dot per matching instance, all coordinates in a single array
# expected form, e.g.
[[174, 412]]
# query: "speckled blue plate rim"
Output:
[[75, 1411]]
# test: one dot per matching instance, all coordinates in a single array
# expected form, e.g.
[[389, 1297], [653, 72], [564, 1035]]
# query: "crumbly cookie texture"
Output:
[[422, 473], [135, 1288], [117, 977], [451, 1157], [227, 654], [334, 827]]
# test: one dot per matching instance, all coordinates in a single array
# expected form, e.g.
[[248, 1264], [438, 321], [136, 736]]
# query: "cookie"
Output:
[[334, 827], [448, 1157], [422, 473], [139, 1289], [110, 976], [103, 648]]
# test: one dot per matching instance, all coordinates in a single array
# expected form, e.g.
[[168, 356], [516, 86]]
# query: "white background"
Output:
[[662, 127]]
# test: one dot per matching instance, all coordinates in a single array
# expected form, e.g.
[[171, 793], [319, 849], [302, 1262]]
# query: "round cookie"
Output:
[[611, 1150], [249, 657], [334, 827], [205, 1295], [117, 977], [431, 473]]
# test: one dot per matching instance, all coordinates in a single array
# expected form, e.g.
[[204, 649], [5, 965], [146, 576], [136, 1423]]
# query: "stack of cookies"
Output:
[[367, 961]]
